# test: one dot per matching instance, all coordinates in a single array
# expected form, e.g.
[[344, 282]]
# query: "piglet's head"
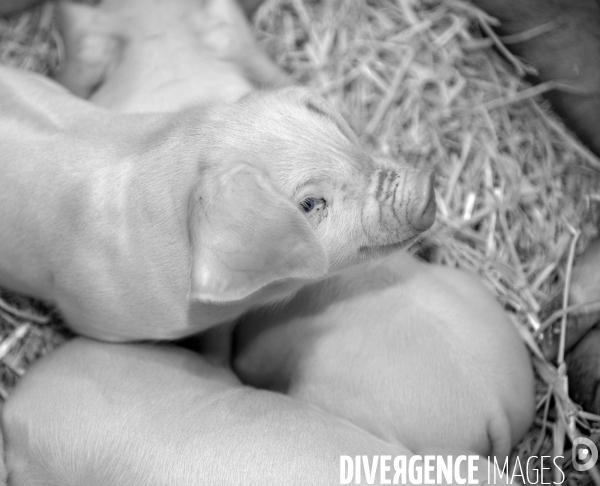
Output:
[[288, 195]]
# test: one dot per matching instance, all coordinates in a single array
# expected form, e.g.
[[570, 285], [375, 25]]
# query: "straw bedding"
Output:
[[418, 80]]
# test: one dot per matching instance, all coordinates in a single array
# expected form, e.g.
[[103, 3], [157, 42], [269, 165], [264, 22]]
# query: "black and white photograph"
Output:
[[299, 242]]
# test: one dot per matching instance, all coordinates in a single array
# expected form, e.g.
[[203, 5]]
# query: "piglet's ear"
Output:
[[247, 234]]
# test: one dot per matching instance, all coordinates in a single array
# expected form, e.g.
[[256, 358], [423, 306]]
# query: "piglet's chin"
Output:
[[380, 251]]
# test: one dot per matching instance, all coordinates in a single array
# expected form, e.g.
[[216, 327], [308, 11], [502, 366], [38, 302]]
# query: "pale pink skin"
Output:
[[150, 226], [408, 351], [129, 58], [100, 414]]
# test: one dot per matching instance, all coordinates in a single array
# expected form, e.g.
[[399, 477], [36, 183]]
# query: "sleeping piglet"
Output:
[[131, 56], [416, 354], [156, 226], [99, 414]]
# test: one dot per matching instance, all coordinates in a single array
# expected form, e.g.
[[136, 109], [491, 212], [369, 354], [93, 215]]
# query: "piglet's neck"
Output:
[[168, 162]]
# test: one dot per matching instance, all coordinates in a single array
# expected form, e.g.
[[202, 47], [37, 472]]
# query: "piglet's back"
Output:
[[101, 414]]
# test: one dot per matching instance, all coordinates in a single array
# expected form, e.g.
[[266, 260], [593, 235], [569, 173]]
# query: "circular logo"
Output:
[[585, 454]]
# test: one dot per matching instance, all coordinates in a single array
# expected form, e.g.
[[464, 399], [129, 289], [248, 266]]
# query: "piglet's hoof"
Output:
[[584, 372]]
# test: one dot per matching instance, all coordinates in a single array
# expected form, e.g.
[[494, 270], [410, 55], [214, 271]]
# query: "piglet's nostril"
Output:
[[422, 206]]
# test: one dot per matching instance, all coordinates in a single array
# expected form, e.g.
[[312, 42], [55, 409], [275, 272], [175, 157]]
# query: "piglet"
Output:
[[131, 56], [157, 226], [100, 414], [416, 354]]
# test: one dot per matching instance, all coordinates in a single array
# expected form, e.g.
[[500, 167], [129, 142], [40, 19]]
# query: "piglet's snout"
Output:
[[400, 205], [421, 204], [405, 197]]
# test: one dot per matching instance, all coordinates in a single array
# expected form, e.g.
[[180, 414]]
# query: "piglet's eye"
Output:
[[313, 205], [308, 204]]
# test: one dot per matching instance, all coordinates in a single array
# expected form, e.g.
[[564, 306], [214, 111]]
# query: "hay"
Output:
[[417, 80]]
